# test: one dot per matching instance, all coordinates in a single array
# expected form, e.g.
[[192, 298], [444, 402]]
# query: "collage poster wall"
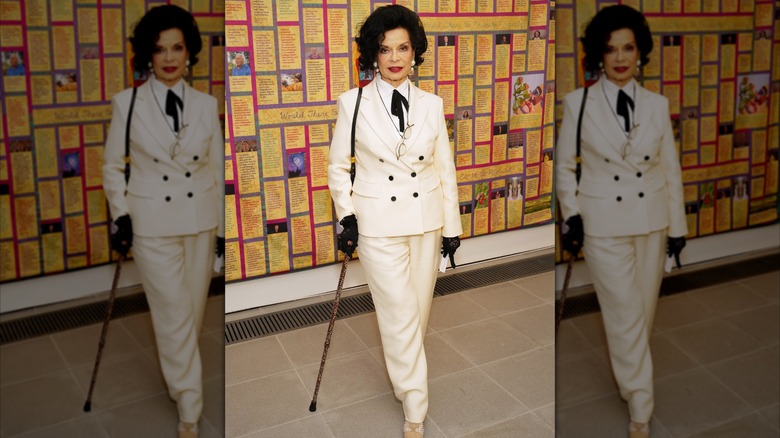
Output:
[[288, 61], [62, 61], [718, 63]]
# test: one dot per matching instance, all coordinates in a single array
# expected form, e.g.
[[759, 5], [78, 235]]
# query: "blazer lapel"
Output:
[[601, 115], [376, 116], [418, 111], [191, 117], [642, 114], [148, 112]]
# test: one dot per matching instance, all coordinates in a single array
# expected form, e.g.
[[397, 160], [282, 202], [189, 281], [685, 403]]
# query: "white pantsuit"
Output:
[[175, 275], [402, 292], [629, 206], [403, 206], [175, 199]]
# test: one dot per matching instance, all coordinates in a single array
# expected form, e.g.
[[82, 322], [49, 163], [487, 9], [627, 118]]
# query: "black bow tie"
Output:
[[622, 108], [395, 108], [171, 102]]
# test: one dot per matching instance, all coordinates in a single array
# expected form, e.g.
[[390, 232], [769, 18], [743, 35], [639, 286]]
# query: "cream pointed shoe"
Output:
[[188, 430], [413, 430], [638, 430]]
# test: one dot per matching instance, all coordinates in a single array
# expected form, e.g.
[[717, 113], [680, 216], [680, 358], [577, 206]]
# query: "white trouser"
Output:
[[627, 273], [176, 273], [401, 273]]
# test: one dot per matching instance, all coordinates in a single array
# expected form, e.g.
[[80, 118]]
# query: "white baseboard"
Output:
[[304, 284]]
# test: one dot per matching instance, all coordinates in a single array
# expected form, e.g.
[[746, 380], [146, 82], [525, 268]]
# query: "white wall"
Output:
[[279, 288], [57, 288], [87, 283], [303, 284]]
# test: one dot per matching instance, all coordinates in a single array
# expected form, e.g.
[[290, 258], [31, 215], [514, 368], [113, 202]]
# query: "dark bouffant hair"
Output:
[[161, 18], [372, 33], [608, 20]]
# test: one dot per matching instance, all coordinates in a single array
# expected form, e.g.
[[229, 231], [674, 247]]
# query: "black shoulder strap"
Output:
[[127, 136], [354, 123], [578, 170]]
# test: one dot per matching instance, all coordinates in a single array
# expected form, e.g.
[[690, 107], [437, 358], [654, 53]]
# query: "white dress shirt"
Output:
[[386, 93], [611, 90], [161, 93]]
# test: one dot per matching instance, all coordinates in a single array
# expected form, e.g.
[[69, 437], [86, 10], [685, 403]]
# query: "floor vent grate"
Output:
[[15, 330], [290, 319], [66, 319]]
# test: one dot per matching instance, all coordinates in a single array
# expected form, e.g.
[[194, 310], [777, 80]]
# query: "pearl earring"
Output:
[[601, 66], [376, 68], [149, 65], [411, 70]]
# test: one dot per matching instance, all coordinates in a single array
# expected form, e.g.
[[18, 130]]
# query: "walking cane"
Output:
[[313, 405], [102, 343], [562, 301]]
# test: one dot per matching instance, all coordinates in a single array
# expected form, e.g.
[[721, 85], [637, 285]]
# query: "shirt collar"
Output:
[[387, 89], [611, 90], [161, 89]]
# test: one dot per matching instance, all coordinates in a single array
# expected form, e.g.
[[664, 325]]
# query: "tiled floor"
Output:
[[44, 382], [491, 369], [491, 355], [716, 361]]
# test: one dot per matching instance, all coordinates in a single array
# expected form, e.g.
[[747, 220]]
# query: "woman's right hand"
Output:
[[348, 238], [573, 235], [122, 239]]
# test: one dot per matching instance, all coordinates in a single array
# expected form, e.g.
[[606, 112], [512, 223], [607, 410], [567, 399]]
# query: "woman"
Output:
[[171, 210], [404, 197], [629, 201]]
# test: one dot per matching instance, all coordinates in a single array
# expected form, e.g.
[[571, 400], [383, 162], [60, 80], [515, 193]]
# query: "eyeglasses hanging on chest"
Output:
[[173, 106], [629, 125], [397, 105], [400, 150]]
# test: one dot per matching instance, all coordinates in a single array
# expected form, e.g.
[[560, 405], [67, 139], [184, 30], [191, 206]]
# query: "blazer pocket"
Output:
[[366, 189], [143, 190], [656, 184], [431, 183], [204, 184], [592, 189]]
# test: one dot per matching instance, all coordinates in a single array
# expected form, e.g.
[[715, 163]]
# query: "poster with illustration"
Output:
[[527, 100], [71, 165], [752, 100], [296, 165], [515, 185], [481, 195]]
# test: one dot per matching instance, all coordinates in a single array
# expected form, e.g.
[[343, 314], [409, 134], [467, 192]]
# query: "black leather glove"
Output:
[[220, 248], [122, 239], [573, 235], [448, 247], [674, 246], [348, 238]]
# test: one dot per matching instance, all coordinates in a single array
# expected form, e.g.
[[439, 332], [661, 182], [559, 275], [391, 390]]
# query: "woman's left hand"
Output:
[[448, 247], [674, 246], [220, 247]]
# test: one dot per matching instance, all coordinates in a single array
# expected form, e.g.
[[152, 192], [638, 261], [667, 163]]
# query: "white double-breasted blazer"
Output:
[[616, 196], [393, 196], [167, 195]]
